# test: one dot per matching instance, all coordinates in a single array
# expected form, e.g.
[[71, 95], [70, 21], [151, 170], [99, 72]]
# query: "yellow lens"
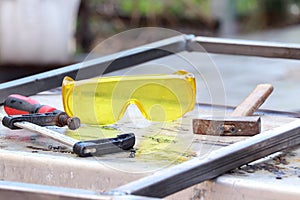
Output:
[[104, 100], [90, 100], [163, 100]]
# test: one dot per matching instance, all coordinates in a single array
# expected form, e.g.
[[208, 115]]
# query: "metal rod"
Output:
[[52, 79], [48, 133], [246, 47], [276, 113], [20, 191], [45, 132], [179, 177], [47, 80]]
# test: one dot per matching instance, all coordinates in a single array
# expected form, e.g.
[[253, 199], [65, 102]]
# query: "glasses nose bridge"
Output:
[[139, 105]]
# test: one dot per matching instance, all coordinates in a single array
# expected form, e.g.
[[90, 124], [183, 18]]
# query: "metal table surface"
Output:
[[26, 157], [29, 158]]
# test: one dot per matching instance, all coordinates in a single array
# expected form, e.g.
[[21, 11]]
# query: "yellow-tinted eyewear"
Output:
[[103, 101]]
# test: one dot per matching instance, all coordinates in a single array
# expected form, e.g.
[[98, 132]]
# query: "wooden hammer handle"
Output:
[[255, 99]]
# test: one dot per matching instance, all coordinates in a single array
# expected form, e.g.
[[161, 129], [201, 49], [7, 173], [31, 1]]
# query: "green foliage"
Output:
[[159, 7], [245, 7], [177, 7], [143, 7]]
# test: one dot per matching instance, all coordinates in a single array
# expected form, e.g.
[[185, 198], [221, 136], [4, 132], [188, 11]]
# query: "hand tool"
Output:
[[240, 123], [81, 148], [33, 111]]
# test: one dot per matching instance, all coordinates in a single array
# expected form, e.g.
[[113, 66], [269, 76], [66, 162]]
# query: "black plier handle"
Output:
[[104, 146]]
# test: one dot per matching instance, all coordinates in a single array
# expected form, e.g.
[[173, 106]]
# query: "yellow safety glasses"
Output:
[[103, 101]]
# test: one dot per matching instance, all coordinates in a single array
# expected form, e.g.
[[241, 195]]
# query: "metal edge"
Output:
[[245, 47], [259, 112], [20, 191], [179, 177], [51, 79]]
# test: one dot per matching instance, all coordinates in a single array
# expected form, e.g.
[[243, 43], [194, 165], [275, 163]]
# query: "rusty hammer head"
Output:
[[239, 123], [228, 126]]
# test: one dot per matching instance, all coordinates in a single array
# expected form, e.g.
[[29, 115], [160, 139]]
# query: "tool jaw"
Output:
[[227, 126]]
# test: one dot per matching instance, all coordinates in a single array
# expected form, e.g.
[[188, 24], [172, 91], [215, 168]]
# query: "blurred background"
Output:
[[99, 19], [39, 35]]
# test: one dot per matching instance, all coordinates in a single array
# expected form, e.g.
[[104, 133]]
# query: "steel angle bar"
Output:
[[20, 191], [205, 106], [47, 80], [182, 176], [246, 47]]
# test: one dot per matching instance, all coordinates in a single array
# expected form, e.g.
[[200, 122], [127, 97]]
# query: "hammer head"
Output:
[[230, 126]]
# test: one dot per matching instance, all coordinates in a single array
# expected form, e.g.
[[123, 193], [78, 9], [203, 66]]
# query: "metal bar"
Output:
[[44, 81], [246, 47], [45, 132], [179, 177], [70, 142], [20, 191], [259, 112]]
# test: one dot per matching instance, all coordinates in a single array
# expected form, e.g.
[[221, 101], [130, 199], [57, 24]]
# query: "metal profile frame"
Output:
[[52, 79], [179, 177], [20, 191], [47, 80], [176, 178], [249, 48], [189, 173]]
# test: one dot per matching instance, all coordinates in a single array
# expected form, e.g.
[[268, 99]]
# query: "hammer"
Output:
[[240, 122]]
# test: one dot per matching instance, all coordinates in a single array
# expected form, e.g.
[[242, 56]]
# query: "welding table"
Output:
[[26, 160]]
